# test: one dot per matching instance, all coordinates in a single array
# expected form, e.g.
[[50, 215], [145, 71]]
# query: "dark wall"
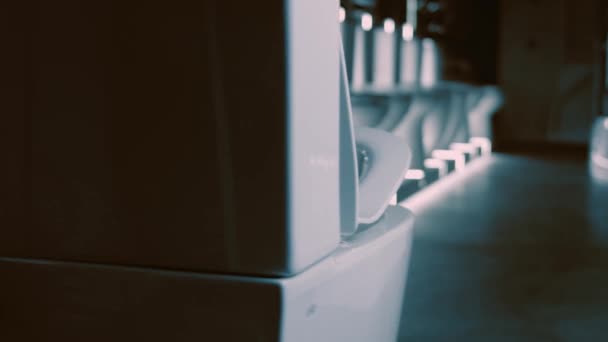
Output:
[[109, 130], [469, 38], [549, 68]]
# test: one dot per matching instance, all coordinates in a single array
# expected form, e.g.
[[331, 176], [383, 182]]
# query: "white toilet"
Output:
[[489, 100], [355, 292], [247, 208]]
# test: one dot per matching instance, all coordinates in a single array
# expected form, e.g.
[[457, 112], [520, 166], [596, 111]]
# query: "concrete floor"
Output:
[[514, 248]]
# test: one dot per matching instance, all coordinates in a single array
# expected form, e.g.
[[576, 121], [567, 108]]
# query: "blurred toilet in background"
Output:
[[598, 154], [379, 98], [488, 100], [357, 35], [397, 87]]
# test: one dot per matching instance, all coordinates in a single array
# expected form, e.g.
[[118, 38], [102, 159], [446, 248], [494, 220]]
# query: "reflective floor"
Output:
[[513, 249]]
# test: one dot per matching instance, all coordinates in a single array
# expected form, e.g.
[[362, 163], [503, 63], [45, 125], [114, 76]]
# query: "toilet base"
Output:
[[355, 294]]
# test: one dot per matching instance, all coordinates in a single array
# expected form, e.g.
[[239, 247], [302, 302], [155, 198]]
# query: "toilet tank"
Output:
[[195, 135]]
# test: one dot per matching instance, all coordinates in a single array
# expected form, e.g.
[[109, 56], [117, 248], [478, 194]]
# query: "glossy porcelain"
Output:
[[411, 123], [356, 40], [487, 101], [372, 163], [384, 61], [367, 66], [356, 293], [450, 122], [387, 160], [412, 61], [312, 226]]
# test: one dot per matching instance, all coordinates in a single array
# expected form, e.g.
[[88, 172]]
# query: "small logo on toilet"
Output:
[[322, 162]]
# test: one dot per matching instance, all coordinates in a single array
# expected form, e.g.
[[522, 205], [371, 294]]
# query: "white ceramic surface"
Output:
[[449, 123], [388, 158], [356, 293], [372, 163], [489, 100], [384, 61], [313, 144]]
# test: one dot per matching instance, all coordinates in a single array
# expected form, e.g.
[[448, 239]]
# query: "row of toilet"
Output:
[[396, 86]]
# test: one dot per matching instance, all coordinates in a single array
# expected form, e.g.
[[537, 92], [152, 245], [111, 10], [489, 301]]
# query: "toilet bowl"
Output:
[[463, 125], [468, 129], [449, 124], [464, 122]]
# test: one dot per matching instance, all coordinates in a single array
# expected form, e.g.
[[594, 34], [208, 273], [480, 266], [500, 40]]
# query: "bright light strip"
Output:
[[465, 148], [414, 174], [485, 144], [428, 197], [438, 164], [606, 123], [367, 21], [389, 25], [456, 156], [407, 32], [393, 200], [342, 14]]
